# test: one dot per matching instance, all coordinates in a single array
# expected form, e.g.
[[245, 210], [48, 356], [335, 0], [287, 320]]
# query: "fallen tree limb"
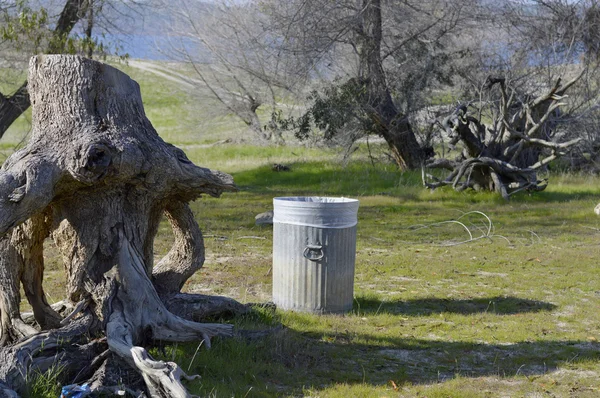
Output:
[[506, 154]]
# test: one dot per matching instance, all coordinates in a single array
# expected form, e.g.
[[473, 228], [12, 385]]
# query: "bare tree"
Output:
[[27, 30], [506, 154], [519, 118], [236, 60], [383, 57]]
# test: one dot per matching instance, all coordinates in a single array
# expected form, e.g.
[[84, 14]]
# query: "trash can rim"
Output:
[[314, 199]]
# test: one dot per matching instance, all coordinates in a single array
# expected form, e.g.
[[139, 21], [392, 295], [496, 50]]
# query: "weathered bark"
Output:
[[19, 360], [12, 107], [97, 177], [388, 122], [187, 254], [29, 239]]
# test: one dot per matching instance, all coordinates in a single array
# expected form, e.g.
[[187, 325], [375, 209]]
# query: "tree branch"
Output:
[[12, 107]]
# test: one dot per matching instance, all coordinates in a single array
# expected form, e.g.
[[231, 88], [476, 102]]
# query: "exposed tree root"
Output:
[[198, 307], [128, 324], [187, 254], [41, 351], [85, 359], [163, 379]]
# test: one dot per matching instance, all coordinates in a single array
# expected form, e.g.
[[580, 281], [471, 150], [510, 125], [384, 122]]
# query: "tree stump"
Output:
[[97, 178]]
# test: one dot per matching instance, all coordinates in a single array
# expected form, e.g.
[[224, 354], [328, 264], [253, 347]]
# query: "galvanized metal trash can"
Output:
[[314, 253]]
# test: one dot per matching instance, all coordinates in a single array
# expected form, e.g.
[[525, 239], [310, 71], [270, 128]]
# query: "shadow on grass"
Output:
[[321, 178], [289, 361], [552, 196], [424, 307], [361, 178], [421, 361]]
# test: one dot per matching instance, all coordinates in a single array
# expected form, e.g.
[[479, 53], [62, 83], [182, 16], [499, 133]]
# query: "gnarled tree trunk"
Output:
[[97, 178], [388, 122]]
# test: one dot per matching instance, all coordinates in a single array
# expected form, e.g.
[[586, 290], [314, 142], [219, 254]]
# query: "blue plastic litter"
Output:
[[75, 391]]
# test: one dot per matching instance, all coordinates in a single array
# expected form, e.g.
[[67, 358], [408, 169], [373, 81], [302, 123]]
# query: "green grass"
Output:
[[507, 316], [513, 315], [10, 81], [44, 385]]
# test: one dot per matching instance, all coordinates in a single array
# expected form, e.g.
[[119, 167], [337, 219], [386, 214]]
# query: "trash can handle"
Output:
[[317, 249]]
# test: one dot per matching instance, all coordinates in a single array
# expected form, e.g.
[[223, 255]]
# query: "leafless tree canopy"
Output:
[[236, 61], [384, 63], [530, 100], [380, 58]]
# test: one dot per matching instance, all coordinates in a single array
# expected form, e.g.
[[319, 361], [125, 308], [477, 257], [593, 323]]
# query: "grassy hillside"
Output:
[[512, 313]]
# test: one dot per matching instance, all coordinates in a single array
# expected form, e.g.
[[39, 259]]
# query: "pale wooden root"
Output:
[[29, 240], [137, 309], [182, 330], [187, 254], [22, 259], [12, 326], [16, 329], [183, 260], [163, 379], [159, 373], [137, 295], [64, 307]]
